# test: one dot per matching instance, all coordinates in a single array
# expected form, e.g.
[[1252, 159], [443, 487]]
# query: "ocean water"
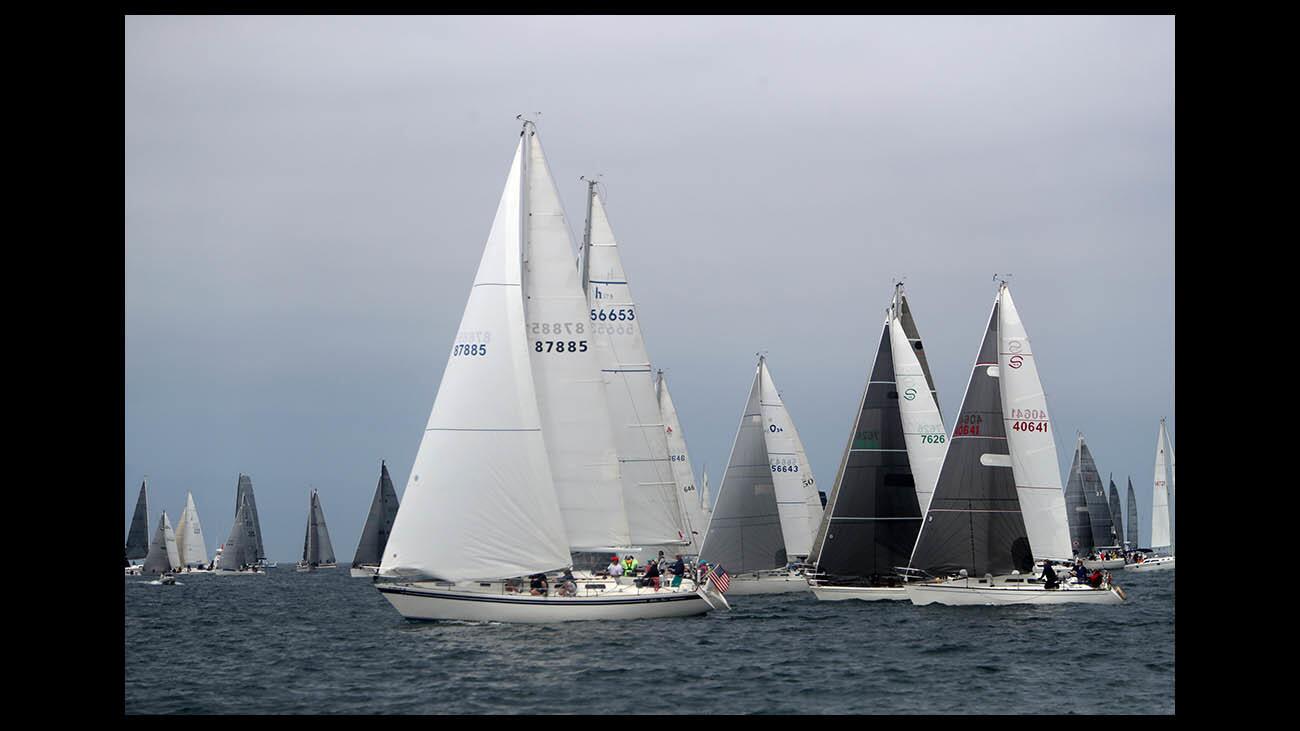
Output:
[[327, 643]]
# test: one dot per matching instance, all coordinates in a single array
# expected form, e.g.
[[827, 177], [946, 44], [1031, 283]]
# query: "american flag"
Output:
[[719, 576]]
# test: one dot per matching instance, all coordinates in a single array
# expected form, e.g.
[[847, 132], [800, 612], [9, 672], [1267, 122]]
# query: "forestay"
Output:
[[650, 489], [1029, 435], [480, 502]]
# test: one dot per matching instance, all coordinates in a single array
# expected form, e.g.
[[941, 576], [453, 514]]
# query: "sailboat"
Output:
[[887, 473], [1116, 513], [379, 524], [517, 467], [768, 510], [317, 551], [1161, 524], [1091, 529], [651, 482], [688, 497], [244, 493], [1131, 524], [997, 506], [239, 552], [137, 537], [162, 558], [190, 546]]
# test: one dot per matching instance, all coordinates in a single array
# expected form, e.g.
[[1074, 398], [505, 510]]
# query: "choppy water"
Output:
[[328, 643]]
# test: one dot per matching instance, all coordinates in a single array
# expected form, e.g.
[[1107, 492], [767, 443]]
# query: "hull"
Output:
[[361, 572], [441, 601], [966, 592], [863, 593], [750, 584], [1163, 563], [1109, 564], [223, 572]]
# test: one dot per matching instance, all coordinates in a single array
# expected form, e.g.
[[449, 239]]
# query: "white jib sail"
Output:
[[923, 430], [1173, 494], [566, 371], [190, 546], [649, 487], [1160, 536], [706, 499], [1029, 438], [162, 549], [797, 501], [480, 502], [689, 497]]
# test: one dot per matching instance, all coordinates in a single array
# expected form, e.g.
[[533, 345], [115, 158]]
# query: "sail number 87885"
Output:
[[560, 346]]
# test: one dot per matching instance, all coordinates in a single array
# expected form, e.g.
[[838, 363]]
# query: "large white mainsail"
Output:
[[191, 548], [692, 506], [918, 407], [571, 396], [797, 500], [649, 487], [481, 503], [1160, 534], [1029, 437]]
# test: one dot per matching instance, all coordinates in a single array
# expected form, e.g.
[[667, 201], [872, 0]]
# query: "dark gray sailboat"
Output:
[[239, 555], [243, 492], [1094, 493], [1132, 524], [1116, 513], [873, 514], [317, 551], [379, 523], [1076, 506], [137, 537]]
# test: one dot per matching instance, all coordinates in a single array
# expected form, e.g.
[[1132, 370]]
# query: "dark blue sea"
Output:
[[328, 643]]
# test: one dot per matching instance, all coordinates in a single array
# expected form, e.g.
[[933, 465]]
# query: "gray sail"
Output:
[[379, 522], [245, 490], [1116, 513], [1094, 492], [1132, 516], [874, 516], [974, 520], [241, 548], [1076, 507], [137, 538], [317, 548], [162, 556]]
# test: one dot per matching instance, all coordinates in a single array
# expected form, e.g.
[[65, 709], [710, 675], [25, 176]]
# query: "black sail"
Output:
[[245, 491], [974, 520], [379, 522], [1076, 507], [1132, 516], [1094, 492], [137, 538], [1116, 512], [872, 516]]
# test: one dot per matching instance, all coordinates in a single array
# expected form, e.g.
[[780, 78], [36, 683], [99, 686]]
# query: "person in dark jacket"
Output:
[[1049, 576], [652, 574], [679, 570]]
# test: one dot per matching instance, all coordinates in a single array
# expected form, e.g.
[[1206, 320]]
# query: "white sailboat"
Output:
[[317, 551], [887, 473], [517, 466], [1162, 536], [163, 557], [998, 508], [190, 545], [651, 483], [768, 509]]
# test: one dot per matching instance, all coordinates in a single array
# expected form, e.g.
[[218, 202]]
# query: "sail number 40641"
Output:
[[1029, 426]]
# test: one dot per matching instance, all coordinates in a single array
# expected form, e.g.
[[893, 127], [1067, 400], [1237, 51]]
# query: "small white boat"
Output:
[[167, 580], [1003, 590], [833, 593], [1158, 563], [767, 582], [1107, 564], [363, 571]]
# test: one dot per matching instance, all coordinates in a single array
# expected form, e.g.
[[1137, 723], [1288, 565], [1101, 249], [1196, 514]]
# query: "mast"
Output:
[[585, 254]]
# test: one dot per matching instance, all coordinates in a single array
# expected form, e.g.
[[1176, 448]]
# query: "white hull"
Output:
[[1109, 564], [1161, 563], [747, 584], [439, 600], [863, 593], [223, 572], [363, 572], [967, 592]]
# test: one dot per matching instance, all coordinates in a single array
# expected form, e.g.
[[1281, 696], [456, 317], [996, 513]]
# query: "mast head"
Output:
[[527, 122]]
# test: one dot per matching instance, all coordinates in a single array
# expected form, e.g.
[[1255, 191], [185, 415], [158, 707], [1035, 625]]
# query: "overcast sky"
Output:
[[307, 199]]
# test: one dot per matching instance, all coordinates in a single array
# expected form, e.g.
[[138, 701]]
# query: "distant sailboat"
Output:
[[517, 469], [1161, 525], [244, 491], [317, 551], [189, 537], [1092, 529], [163, 557], [887, 473], [1116, 512], [239, 553], [137, 537], [768, 510], [1131, 524], [379, 524], [997, 506]]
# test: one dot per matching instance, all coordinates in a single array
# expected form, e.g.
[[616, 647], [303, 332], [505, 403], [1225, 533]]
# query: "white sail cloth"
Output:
[[923, 429], [797, 500], [162, 549], [689, 499], [1161, 536], [190, 546]]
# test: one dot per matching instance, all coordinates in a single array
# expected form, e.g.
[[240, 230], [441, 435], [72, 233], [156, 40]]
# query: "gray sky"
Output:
[[307, 200]]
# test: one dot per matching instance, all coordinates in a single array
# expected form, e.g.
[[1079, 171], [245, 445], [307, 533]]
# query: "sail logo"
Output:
[[775, 429], [1016, 361], [909, 394]]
